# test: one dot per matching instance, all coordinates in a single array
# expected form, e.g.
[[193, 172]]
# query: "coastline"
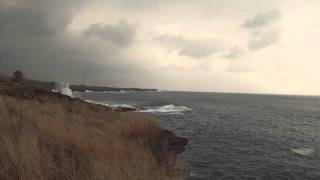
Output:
[[60, 125]]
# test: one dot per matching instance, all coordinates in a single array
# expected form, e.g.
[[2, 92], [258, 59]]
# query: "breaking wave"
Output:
[[166, 109], [169, 109], [303, 151]]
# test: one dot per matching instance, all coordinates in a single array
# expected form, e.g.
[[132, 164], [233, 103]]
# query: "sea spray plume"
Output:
[[62, 88]]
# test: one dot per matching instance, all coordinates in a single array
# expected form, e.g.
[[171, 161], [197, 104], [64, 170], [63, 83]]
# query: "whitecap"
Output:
[[168, 109], [123, 91], [303, 151]]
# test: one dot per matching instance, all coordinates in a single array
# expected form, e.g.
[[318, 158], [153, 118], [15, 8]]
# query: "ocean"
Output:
[[235, 136]]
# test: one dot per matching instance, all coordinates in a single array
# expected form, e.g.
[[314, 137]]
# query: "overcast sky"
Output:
[[253, 46]]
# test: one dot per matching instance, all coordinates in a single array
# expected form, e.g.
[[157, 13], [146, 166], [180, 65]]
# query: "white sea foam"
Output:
[[121, 105], [166, 109], [120, 92], [303, 151], [110, 105], [96, 102], [169, 109]]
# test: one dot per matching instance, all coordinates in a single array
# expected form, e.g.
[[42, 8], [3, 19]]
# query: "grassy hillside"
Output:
[[47, 136]]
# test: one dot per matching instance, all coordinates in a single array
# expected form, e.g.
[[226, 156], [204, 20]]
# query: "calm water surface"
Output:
[[236, 136]]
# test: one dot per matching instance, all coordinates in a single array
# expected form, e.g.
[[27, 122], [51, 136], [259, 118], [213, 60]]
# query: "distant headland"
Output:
[[74, 87]]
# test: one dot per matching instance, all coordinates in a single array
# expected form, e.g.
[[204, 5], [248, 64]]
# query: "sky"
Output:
[[245, 46]]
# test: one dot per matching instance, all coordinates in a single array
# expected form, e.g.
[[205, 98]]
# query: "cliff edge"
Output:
[[46, 135]]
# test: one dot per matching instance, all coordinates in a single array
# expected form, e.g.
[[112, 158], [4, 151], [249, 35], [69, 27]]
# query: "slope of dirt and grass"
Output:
[[49, 136]]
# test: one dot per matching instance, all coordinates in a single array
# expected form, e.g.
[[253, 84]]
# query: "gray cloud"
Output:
[[24, 21], [36, 18], [264, 40], [65, 59], [194, 48], [34, 39], [261, 35], [213, 6], [262, 19], [38, 37], [121, 34], [234, 53]]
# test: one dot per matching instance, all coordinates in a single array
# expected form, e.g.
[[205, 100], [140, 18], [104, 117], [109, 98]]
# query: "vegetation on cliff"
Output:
[[48, 136]]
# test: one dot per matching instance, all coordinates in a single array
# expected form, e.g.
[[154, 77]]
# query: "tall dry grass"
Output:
[[66, 140]]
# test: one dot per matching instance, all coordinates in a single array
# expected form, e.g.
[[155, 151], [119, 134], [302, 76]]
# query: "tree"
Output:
[[18, 76]]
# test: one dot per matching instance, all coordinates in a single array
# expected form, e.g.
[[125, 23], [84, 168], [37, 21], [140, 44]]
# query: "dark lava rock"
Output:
[[168, 144], [125, 109]]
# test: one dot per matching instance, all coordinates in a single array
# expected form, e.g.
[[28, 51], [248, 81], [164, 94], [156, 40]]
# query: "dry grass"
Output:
[[71, 140]]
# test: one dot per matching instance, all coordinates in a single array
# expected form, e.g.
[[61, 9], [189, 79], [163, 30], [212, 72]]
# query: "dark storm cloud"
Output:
[[194, 48], [24, 22], [262, 19], [121, 34], [65, 59], [34, 39], [36, 18]]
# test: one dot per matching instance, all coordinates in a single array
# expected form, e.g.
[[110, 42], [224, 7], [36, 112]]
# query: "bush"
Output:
[[18, 76]]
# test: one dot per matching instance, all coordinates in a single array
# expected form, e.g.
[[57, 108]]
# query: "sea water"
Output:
[[235, 136]]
